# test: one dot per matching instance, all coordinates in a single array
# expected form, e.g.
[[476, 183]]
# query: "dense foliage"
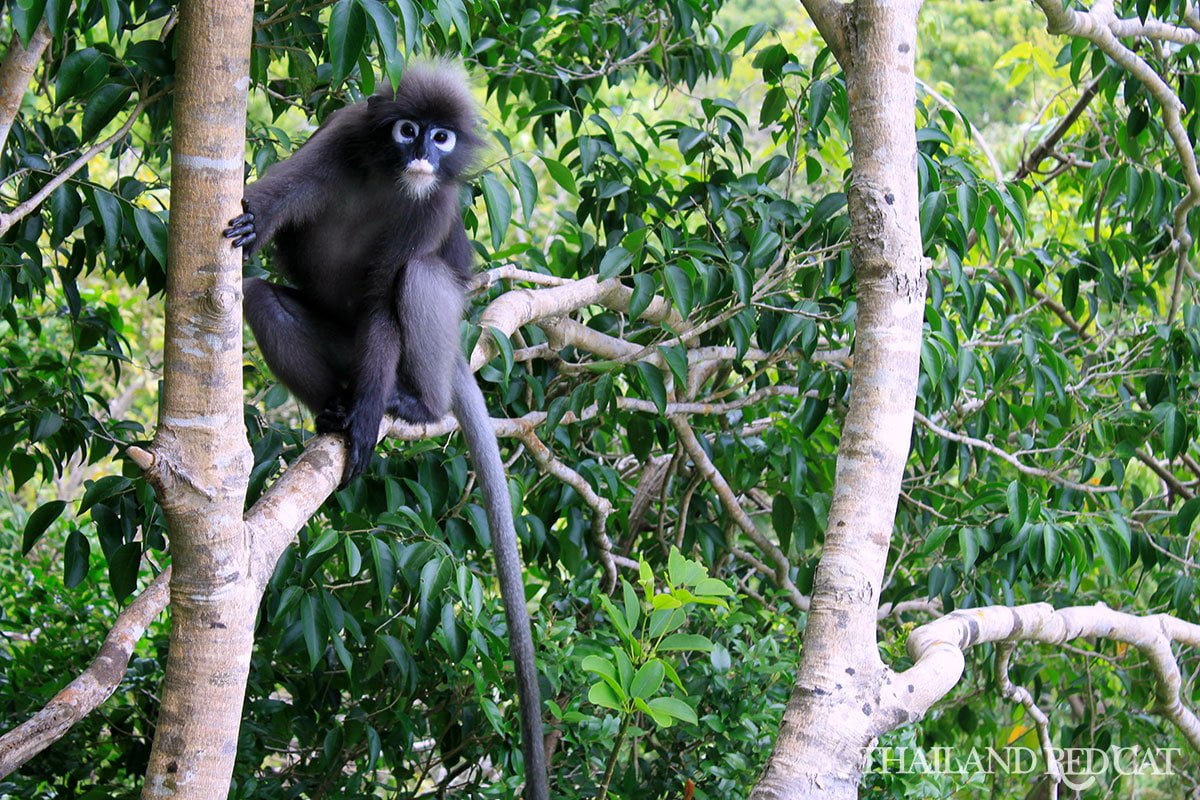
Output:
[[698, 157]]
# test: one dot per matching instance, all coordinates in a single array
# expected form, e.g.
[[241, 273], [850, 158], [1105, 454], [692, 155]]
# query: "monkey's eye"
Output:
[[405, 131], [444, 139]]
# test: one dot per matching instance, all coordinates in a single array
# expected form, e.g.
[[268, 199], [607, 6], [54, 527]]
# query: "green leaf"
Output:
[[325, 541], [660, 719], [773, 104], [677, 360], [385, 25], [601, 694], [1018, 504], [674, 707], [624, 668], [123, 569], [686, 641], [313, 640], [968, 544], [820, 93], [353, 557], [499, 207], [39, 521], [435, 576], [1184, 517], [561, 175], [648, 680], [643, 294], [783, 519], [679, 286], [103, 489], [75, 559], [48, 423], [26, 17], [504, 345], [65, 206], [615, 261], [601, 666], [1174, 431], [384, 567], [102, 106], [153, 232], [456, 643], [720, 659], [106, 206], [527, 188], [347, 33], [343, 655], [80, 73], [633, 608], [652, 379], [712, 587]]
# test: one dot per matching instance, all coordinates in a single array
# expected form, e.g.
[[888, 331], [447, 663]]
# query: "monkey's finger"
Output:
[[239, 231], [242, 219], [244, 241]]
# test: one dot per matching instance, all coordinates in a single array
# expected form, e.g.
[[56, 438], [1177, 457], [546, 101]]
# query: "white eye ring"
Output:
[[443, 139], [405, 131]]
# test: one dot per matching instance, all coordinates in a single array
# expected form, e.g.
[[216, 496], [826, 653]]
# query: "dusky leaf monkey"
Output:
[[368, 231]]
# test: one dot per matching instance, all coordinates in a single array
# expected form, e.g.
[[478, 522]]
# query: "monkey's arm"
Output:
[[294, 190]]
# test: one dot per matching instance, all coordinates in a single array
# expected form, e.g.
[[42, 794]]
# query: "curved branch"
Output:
[[980, 444], [1099, 26], [93, 686], [937, 650]]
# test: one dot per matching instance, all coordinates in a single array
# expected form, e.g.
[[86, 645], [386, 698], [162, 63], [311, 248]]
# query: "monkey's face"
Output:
[[426, 151]]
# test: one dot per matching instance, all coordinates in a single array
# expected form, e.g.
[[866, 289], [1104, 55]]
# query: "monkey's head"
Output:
[[430, 126]]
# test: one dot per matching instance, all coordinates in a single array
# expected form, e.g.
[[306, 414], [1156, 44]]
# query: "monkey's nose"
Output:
[[420, 165]]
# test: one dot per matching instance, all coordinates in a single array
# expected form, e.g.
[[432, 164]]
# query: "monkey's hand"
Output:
[[241, 230], [358, 426]]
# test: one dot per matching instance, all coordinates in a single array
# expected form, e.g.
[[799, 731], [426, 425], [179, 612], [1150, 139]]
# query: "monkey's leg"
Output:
[[376, 353], [301, 352]]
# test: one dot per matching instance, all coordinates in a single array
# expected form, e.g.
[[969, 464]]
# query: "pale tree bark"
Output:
[[834, 711], [200, 459]]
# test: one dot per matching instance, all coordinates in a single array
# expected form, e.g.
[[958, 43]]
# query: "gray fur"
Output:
[[370, 324]]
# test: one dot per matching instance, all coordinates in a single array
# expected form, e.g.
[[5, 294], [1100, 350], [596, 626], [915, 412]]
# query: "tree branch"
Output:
[[1051, 140], [937, 650], [93, 686], [1098, 26], [23, 210], [988, 447], [830, 18], [20, 61], [782, 566]]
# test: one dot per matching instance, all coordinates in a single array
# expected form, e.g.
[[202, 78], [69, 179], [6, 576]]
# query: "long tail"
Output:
[[476, 426]]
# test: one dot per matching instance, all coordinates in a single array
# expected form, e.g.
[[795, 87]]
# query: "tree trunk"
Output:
[[834, 710], [200, 459]]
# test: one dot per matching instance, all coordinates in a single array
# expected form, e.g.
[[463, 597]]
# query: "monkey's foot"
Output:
[[410, 409], [359, 426], [333, 418]]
